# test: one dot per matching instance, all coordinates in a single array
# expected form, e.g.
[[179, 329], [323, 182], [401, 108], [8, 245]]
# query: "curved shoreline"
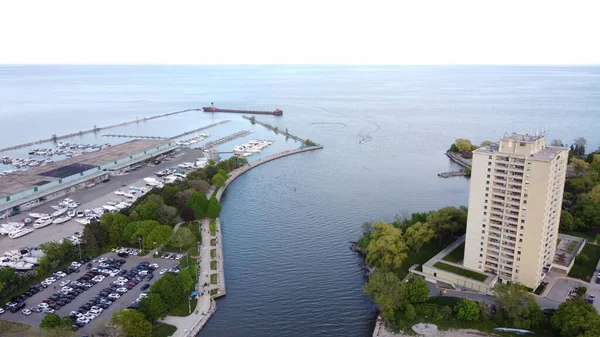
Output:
[[198, 325]]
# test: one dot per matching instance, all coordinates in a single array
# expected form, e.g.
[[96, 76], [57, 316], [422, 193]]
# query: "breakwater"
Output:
[[133, 136], [460, 173], [223, 140], [276, 129], [95, 129], [457, 158]]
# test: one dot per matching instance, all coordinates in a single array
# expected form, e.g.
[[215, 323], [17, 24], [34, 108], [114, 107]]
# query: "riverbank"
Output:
[[211, 249], [382, 331], [457, 158]]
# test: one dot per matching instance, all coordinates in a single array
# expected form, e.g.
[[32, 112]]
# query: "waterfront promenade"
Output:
[[191, 325]]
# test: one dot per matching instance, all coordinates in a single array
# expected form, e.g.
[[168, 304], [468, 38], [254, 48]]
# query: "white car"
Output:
[[1, 311], [114, 272], [178, 256], [103, 265], [65, 282], [102, 259], [162, 271], [46, 283], [60, 273], [122, 279], [42, 305], [26, 312], [51, 279], [114, 296], [121, 290], [143, 295], [96, 310], [75, 264], [67, 289], [154, 265], [83, 320], [48, 311]]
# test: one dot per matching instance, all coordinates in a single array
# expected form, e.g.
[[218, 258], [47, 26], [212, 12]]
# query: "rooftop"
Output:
[[523, 137], [37, 176], [548, 153]]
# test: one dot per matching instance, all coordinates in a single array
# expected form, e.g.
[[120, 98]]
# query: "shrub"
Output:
[[467, 310], [446, 312], [409, 312], [582, 259], [430, 311]]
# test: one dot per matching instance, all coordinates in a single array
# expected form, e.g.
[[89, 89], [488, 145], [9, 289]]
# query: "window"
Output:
[[489, 163], [81, 174], [144, 152], [485, 202], [489, 170], [485, 207], [487, 188], [518, 252], [490, 156], [60, 181], [481, 243], [483, 226], [115, 162], [7, 198], [522, 227], [486, 194], [484, 213], [130, 157], [520, 240], [522, 144], [487, 183], [482, 231], [480, 255], [35, 189], [481, 249], [488, 176]]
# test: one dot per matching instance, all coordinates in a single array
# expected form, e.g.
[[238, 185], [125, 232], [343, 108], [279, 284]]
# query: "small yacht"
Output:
[[38, 215], [61, 219], [71, 213], [83, 221], [60, 212], [42, 222], [21, 232]]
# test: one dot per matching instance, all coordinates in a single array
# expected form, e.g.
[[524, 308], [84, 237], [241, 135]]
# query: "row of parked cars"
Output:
[[18, 302], [169, 256]]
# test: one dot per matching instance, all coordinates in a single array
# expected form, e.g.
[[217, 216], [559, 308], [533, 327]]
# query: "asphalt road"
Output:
[[88, 198], [124, 301]]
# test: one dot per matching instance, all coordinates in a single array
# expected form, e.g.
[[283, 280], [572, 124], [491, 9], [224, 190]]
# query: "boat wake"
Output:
[[365, 136]]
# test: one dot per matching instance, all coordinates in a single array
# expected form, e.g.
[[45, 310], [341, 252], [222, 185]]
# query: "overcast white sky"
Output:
[[300, 32]]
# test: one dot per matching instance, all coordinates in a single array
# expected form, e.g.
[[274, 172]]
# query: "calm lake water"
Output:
[[286, 225]]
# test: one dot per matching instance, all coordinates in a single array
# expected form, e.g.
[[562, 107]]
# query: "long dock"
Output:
[[275, 129], [93, 130], [220, 141], [452, 174], [200, 129], [132, 136]]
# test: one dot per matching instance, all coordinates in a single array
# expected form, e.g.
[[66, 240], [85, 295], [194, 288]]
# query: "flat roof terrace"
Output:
[[38, 176]]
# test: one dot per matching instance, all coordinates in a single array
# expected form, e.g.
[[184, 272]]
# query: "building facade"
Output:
[[515, 202]]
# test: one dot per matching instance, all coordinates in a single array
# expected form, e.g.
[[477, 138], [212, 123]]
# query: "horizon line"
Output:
[[314, 64]]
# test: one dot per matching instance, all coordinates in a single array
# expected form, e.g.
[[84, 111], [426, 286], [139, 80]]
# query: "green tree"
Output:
[[387, 291], [183, 238], [556, 142], [129, 231], [153, 307], [198, 185], [187, 214], [169, 193], [147, 210], [417, 235], [463, 144], [218, 180], [144, 228], [417, 291], [95, 238], [115, 233], [574, 318], [579, 165], [486, 143], [132, 323], [566, 221], [155, 199], [387, 249], [108, 219], [453, 148], [166, 215], [467, 310], [214, 208], [582, 259], [186, 280], [181, 198], [171, 290], [158, 236], [134, 216], [51, 320], [410, 312], [518, 306], [447, 221], [198, 203]]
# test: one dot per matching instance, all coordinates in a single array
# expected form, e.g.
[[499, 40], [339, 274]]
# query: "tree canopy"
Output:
[[575, 317], [132, 323], [386, 250], [388, 291], [517, 305], [153, 307], [467, 310], [183, 237]]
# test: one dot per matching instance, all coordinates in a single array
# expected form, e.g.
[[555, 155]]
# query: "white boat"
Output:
[[129, 195], [60, 212], [38, 215], [120, 205], [56, 208], [111, 203], [119, 192], [83, 221], [62, 219], [87, 212], [80, 214], [20, 232], [71, 212], [42, 222], [112, 209]]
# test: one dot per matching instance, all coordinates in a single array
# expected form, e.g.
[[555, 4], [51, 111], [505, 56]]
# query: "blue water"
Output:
[[287, 224]]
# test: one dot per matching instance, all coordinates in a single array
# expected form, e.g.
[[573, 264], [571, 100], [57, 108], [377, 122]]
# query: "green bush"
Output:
[[582, 259], [467, 310], [409, 312], [430, 311], [446, 312]]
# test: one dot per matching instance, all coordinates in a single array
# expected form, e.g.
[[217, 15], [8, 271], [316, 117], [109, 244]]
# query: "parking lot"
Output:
[[561, 288], [125, 300]]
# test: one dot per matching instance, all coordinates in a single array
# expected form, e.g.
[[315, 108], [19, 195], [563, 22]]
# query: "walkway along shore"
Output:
[[191, 325], [94, 130]]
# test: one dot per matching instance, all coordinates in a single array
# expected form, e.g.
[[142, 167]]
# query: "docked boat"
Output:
[[38, 215], [83, 221], [79, 214], [61, 219], [60, 212], [21, 232], [42, 222], [71, 212]]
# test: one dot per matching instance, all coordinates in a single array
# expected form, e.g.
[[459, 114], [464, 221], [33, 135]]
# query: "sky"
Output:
[[415, 32]]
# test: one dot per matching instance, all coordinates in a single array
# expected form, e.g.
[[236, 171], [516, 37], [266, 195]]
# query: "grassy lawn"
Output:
[[163, 330], [10, 328], [182, 309], [460, 271], [213, 278], [212, 226], [586, 271], [424, 254], [213, 292], [572, 246], [588, 236], [213, 253], [444, 300], [457, 255], [213, 265], [213, 242]]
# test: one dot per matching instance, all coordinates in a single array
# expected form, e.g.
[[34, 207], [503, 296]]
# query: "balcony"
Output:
[[491, 246], [496, 217], [494, 228], [495, 235], [495, 222], [498, 184], [504, 172], [501, 164], [491, 264], [499, 177], [492, 252], [492, 258], [518, 160], [508, 244]]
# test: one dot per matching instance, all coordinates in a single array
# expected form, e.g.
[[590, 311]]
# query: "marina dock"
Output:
[[452, 174], [275, 129], [200, 129], [220, 141], [95, 129], [136, 137]]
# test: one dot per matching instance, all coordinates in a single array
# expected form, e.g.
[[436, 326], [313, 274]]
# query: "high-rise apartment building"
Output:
[[515, 202]]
